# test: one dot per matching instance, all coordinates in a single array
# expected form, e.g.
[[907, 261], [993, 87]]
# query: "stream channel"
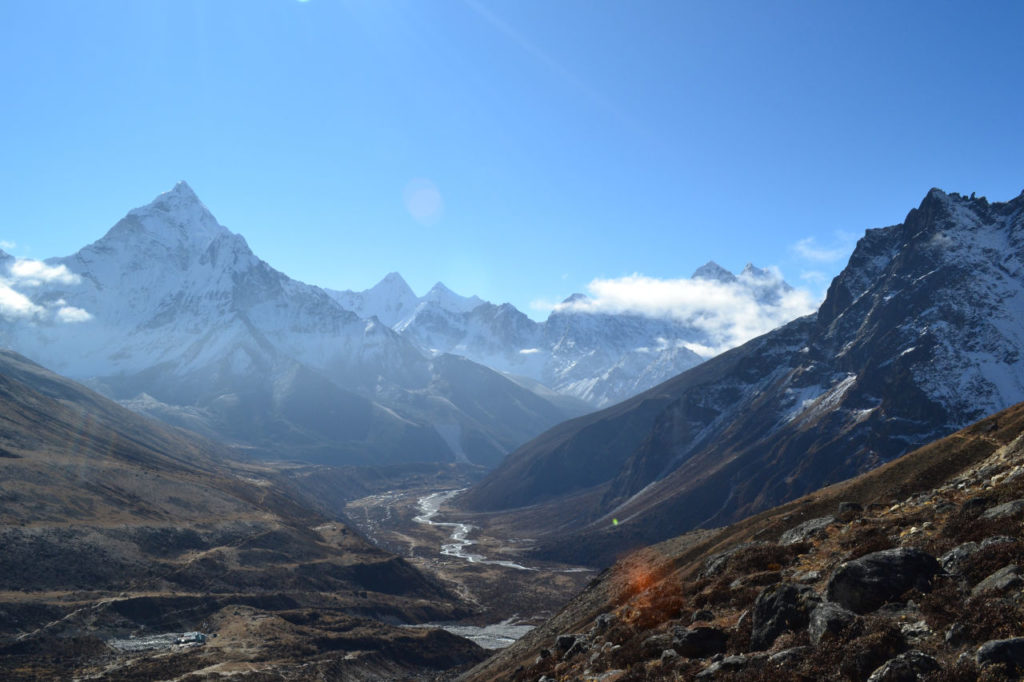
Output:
[[498, 635]]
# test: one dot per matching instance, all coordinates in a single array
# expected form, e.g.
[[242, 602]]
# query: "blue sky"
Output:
[[515, 150]]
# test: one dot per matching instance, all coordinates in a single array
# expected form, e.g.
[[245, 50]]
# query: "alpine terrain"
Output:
[[173, 315], [918, 336], [597, 356], [121, 535]]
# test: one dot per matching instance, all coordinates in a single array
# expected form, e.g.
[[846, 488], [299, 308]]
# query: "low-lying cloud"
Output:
[[32, 274], [720, 314]]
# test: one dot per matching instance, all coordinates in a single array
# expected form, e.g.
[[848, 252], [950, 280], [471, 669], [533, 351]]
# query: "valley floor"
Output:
[[490, 572]]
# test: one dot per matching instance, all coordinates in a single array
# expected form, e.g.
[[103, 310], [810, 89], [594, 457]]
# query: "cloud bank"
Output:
[[32, 274], [720, 314]]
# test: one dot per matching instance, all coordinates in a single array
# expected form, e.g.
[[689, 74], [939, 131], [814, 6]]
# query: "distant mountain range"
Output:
[[185, 323], [174, 316], [919, 335], [595, 356]]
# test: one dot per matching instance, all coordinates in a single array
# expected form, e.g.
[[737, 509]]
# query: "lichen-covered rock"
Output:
[[780, 608], [864, 584]]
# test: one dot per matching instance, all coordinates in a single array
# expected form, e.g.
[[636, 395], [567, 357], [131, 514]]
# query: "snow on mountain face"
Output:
[[579, 351], [918, 336], [183, 311], [168, 284], [390, 300]]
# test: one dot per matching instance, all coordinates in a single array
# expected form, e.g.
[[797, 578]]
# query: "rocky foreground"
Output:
[[911, 572]]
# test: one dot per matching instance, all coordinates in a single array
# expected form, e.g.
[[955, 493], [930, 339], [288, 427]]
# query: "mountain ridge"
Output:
[[820, 399]]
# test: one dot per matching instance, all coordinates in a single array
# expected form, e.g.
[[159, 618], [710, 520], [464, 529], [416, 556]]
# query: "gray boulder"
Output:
[[907, 667], [829, 619], [1005, 511], [807, 530], [954, 560], [1008, 651], [780, 608], [698, 642], [864, 584], [996, 540], [1005, 579]]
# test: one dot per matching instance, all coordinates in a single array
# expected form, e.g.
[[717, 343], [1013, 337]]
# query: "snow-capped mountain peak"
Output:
[[449, 300], [715, 272]]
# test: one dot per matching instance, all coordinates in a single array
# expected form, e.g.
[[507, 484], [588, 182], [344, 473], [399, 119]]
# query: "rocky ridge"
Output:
[[909, 572], [918, 336]]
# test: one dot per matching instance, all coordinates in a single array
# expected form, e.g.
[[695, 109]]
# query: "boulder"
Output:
[[996, 540], [791, 656], [716, 563], [780, 608], [864, 584], [727, 664], [1005, 579], [850, 508], [954, 560], [655, 644], [829, 619], [1005, 511], [1007, 651], [808, 530], [907, 667], [564, 643], [701, 642], [702, 615]]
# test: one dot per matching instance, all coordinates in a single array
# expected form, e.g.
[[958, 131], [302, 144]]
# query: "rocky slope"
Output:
[[116, 529], [909, 572], [918, 336], [182, 321]]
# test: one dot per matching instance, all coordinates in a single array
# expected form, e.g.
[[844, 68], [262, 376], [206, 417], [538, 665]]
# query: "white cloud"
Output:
[[4, 244], [16, 304], [725, 314], [70, 313], [32, 273]]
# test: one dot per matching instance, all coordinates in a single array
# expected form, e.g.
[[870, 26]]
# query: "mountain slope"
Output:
[[757, 600], [918, 336], [113, 524], [190, 326]]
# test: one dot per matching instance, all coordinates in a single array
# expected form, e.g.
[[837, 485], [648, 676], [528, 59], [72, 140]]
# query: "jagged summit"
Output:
[[573, 298], [713, 271], [175, 219], [393, 284]]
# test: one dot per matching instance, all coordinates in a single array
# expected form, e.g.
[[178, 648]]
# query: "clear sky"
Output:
[[517, 150]]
